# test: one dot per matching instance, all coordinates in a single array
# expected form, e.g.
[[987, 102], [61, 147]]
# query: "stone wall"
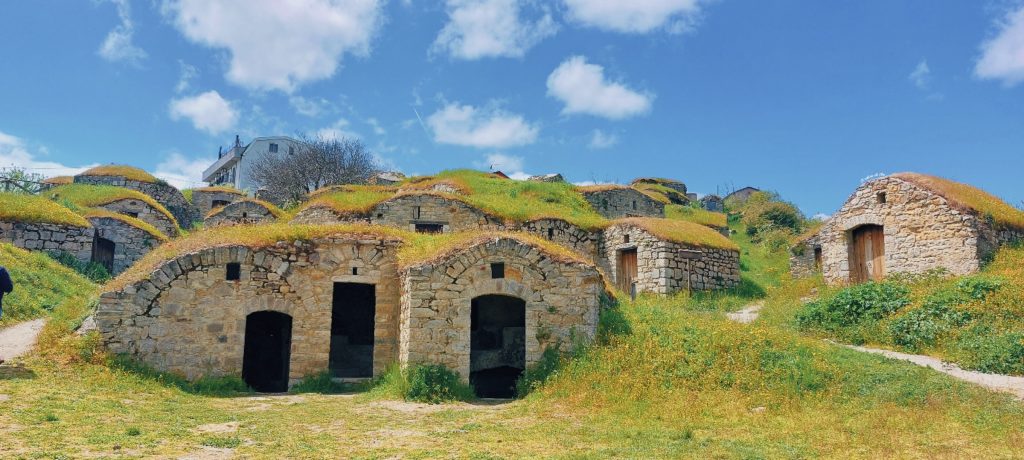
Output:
[[562, 301], [921, 230], [565, 234], [130, 243], [240, 212], [168, 196], [188, 319], [76, 241], [802, 261], [144, 212], [712, 203], [203, 200], [616, 203], [326, 215], [665, 267], [408, 210]]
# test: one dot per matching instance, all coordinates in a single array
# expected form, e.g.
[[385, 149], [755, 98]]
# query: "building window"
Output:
[[273, 148], [291, 150], [355, 270], [498, 270], [551, 233], [131, 214], [416, 212], [881, 197], [234, 272], [625, 238], [634, 205], [429, 228]]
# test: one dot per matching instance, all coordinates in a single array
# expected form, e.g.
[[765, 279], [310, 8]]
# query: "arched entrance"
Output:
[[268, 343], [867, 253], [497, 345]]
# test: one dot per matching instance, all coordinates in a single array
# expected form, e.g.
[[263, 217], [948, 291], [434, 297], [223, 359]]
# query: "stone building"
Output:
[[118, 240], [742, 194], [564, 233], [141, 181], [340, 302], [712, 203], [422, 211], [666, 256], [616, 201], [205, 199], [119, 200], [56, 181], [913, 223], [48, 236], [805, 255], [244, 211]]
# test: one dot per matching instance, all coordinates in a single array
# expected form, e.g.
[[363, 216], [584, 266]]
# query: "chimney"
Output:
[[220, 151], [238, 142]]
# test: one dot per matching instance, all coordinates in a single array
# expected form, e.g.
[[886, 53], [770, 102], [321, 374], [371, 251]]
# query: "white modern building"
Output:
[[234, 167]]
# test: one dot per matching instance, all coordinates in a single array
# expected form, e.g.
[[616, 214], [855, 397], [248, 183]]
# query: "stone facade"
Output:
[[562, 301], [241, 212], [431, 212], [712, 203], [145, 212], [618, 202], [189, 319], [922, 231], [326, 215], [130, 242], [805, 257], [33, 236], [565, 234], [205, 200], [665, 267], [168, 196]]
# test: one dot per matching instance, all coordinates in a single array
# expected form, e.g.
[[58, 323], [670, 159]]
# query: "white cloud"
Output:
[[14, 152], [584, 89], [921, 76], [183, 172], [118, 45], [511, 165], [208, 112], [338, 130], [635, 16], [310, 107], [490, 28], [601, 140], [1002, 57], [279, 45], [377, 128], [482, 128], [188, 73]]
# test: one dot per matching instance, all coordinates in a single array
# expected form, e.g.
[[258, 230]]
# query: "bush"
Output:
[[851, 306], [94, 271], [538, 373], [980, 348], [321, 383], [435, 384], [209, 386], [978, 287]]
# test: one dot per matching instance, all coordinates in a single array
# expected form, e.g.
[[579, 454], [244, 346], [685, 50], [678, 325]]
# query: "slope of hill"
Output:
[[41, 284]]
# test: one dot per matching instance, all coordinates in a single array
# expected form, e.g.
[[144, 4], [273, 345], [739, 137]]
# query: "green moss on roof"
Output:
[[696, 215], [600, 188], [661, 193], [682, 232], [349, 200], [37, 209], [132, 221], [277, 212], [427, 249], [91, 196], [219, 189], [970, 198], [128, 172]]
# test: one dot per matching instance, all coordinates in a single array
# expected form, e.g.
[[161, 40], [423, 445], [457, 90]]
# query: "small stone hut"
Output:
[[712, 203], [244, 211], [206, 199], [741, 195], [55, 181], [118, 240], [337, 299], [119, 200], [805, 255], [38, 224], [617, 201], [139, 180], [913, 223], [666, 256]]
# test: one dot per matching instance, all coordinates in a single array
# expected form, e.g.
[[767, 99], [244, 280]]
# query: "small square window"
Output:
[[273, 148], [634, 205], [355, 270], [551, 233], [234, 271], [881, 197], [625, 238], [131, 214], [498, 270]]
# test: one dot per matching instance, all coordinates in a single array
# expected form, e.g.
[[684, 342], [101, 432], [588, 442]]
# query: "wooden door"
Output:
[[627, 269], [867, 254]]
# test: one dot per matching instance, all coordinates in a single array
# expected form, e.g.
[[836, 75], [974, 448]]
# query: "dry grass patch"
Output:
[[37, 209], [59, 180], [696, 215], [969, 197], [128, 172], [128, 220], [275, 211], [682, 232], [91, 196]]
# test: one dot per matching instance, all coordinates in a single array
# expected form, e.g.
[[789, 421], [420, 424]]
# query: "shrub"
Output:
[[851, 306], [94, 271], [978, 287], [980, 348], [322, 383], [435, 384], [924, 325], [538, 373]]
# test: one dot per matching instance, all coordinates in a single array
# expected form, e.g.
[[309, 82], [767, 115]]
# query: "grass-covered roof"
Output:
[[37, 209], [128, 220], [219, 189], [682, 232], [349, 200], [90, 196], [277, 212], [128, 172], [696, 215], [661, 193], [969, 197], [59, 180]]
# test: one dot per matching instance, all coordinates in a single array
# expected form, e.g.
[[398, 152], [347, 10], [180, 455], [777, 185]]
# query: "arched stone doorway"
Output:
[[867, 253], [268, 342], [497, 345]]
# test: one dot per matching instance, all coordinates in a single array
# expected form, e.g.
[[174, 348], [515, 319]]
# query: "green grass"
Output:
[[128, 172], [36, 209], [660, 192], [275, 211], [40, 284], [91, 196], [132, 221], [696, 215], [349, 200]]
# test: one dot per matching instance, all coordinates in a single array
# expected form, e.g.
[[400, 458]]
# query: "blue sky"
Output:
[[803, 97]]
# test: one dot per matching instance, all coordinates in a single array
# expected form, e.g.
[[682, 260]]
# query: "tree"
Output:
[[17, 180], [317, 162]]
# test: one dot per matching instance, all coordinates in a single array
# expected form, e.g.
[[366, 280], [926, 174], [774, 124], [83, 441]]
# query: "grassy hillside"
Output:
[[34, 208], [696, 215], [40, 284]]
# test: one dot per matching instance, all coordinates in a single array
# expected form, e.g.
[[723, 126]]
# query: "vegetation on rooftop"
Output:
[[89, 213], [37, 209], [91, 196], [683, 232], [59, 180], [349, 200], [661, 193], [969, 197], [128, 172], [275, 211], [696, 215]]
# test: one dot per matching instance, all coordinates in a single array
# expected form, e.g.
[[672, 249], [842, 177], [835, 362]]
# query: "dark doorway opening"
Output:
[[867, 253], [817, 257], [219, 203], [352, 315], [429, 228], [103, 252], [497, 353], [268, 343]]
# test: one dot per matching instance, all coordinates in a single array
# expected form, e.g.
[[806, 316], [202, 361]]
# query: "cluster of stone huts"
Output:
[[907, 223]]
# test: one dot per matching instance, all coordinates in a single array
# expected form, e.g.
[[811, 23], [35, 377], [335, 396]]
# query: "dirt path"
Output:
[[19, 338], [747, 315]]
